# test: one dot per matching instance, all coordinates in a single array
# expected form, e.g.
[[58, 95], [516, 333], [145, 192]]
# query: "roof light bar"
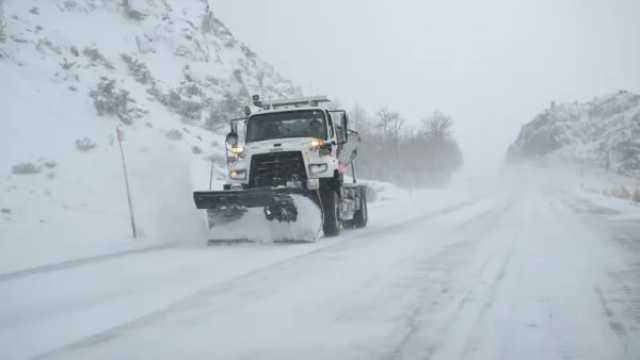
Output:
[[295, 102]]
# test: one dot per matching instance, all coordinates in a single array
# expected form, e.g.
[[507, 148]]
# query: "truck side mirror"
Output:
[[232, 139], [346, 128], [343, 130]]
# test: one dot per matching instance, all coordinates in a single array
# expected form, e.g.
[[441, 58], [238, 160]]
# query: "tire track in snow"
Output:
[[495, 267], [64, 265], [347, 241], [620, 299], [73, 263], [471, 345], [411, 344], [602, 223]]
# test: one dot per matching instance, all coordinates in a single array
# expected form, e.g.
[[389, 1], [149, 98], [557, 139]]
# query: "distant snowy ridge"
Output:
[[603, 133], [166, 71]]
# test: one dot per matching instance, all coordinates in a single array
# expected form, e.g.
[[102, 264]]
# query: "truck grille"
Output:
[[275, 169]]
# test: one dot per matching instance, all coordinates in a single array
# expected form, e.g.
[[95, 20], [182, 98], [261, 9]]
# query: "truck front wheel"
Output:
[[330, 212]]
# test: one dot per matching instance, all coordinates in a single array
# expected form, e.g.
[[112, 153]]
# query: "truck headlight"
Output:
[[317, 143], [323, 147], [238, 151], [317, 168], [238, 174]]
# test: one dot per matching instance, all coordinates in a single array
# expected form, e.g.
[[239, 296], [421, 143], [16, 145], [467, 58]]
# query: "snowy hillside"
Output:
[[166, 71], [603, 133]]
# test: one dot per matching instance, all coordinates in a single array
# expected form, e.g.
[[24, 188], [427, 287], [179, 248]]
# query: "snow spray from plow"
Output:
[[238, 224]]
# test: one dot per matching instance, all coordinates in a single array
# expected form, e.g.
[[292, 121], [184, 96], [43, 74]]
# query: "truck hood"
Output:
[[286, 144], [303, 145]]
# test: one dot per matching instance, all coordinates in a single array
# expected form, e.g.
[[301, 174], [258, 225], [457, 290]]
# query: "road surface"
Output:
[[531, 274]]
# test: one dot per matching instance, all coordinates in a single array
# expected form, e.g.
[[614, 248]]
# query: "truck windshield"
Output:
[[287, 124]]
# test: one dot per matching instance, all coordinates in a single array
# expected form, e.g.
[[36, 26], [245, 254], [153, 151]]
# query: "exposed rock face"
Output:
[[172, 52], [604, 132]]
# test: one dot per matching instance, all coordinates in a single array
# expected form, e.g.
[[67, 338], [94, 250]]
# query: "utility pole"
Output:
[[120, 135]]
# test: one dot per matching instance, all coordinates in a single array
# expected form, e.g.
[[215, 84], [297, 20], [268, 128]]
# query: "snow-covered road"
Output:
[[516, 275]]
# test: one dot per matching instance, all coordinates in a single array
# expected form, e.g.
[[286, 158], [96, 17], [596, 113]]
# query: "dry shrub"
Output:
[[132, 13], [96, 57], [636, 195], [174, 134], [25, 169], [620, 192], [138, 69], [85, 144], [625, 193], [110, 101]]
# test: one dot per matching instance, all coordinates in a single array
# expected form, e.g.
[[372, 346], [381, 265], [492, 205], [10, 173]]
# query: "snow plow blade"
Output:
[[277, 203]]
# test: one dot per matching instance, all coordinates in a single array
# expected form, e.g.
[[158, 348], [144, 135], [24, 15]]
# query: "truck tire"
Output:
[[330, 212], [361, 217]]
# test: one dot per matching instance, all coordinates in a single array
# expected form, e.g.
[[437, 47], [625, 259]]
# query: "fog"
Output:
[[491, 65]]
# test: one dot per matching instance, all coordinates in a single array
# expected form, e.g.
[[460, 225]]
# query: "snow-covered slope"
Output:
[[166, 71], [603, 133]]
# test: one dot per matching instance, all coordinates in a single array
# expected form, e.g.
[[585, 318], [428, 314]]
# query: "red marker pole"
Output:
[[120, 135]]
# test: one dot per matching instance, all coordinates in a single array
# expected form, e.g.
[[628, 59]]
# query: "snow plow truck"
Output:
[[288, 149]]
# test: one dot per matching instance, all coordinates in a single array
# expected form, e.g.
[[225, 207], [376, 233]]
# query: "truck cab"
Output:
[[284, 147]]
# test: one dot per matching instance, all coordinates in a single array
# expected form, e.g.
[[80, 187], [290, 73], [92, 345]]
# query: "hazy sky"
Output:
[[492, 65]]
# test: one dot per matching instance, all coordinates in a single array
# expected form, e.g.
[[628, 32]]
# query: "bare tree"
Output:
[[438, 126], [407, 156], [390, 122], [358, 117], [390, 125]]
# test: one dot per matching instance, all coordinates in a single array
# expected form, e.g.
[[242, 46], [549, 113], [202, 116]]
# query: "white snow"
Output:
[[76, 205], [114, 291], [530, 264], [525, 270], [253, 227]]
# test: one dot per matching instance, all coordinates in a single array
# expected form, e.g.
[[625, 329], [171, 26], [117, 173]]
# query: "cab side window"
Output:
[[341, 130], [340, 134]]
